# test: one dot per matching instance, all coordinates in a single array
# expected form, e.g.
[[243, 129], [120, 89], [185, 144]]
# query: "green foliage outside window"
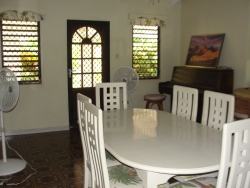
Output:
[[146, 51], [29, 61]]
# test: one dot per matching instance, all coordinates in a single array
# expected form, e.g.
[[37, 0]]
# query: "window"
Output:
[[86, 58], [146, 51], [20, 42]]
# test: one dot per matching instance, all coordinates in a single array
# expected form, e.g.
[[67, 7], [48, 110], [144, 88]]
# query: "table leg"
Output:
[[153, 179]]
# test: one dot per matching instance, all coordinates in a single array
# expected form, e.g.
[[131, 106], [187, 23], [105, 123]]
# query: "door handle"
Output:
[[69, 73]]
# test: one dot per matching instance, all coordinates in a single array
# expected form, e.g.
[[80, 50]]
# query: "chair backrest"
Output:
[[235, 148], [218, 109], [92, 129], [111, 95], [185, 102], [81, 100], [85, 98]]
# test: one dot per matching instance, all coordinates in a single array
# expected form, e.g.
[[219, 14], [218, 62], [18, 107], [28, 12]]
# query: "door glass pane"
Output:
[[86, 51], [97, 78], [87, 80], [76, 80], [97, 51], [91, 32], [76, 51], [97, 38], [97, 65], [76, 38], [76, 66], [87, 66], [82, 32]]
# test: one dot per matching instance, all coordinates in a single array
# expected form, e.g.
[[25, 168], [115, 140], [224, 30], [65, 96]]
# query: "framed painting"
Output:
[[205, 50]]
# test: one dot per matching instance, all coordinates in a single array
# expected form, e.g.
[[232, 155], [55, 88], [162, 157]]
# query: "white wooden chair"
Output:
[[81, 121], [84, 98], [234, 168], [218, 109], [185, 102], [111, 161], [111, 95], [119, 176]]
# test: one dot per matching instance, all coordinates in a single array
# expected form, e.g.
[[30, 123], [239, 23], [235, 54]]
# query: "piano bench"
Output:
[[153, 99]]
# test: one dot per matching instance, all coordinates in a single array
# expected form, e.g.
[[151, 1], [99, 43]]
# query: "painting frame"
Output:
[[205, 50]]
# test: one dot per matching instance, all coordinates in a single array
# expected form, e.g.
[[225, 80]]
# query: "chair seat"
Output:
[[205, 182], [111, 161], [190, 177], [153, 99], [122, 176]]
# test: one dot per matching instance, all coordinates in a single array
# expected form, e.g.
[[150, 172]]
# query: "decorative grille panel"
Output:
[[86, 58]]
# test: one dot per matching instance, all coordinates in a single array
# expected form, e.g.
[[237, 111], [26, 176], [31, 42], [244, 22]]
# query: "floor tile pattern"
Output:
[[56, 156]]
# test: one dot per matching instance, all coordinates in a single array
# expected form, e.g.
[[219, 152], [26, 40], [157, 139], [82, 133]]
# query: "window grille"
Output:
[[146, 51], [21, 50]]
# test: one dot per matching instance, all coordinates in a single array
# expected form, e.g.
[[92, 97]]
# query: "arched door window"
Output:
[[86, 58]]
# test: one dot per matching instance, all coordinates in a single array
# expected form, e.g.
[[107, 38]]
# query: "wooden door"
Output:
[[88, 48]]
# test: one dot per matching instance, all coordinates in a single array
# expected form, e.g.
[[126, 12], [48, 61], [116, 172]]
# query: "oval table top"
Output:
[[161, 142]]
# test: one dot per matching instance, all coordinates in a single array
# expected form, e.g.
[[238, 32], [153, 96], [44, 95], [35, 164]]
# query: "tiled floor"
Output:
[[56, 156]]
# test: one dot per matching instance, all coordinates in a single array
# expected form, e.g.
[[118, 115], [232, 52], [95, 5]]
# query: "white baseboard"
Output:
[[32, 131]]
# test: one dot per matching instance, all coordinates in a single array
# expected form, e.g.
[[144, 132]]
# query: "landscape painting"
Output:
[[205, 50]]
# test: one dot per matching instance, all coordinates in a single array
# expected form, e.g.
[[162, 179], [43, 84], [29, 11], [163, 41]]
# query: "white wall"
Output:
[[46, 105], [220, 16]]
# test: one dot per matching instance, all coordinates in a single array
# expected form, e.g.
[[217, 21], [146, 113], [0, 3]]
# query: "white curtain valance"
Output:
[[148, 21], [20, 16]]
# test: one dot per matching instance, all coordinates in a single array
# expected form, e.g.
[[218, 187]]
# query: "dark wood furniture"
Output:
[[242, 103], [219, 80], [153, 99]]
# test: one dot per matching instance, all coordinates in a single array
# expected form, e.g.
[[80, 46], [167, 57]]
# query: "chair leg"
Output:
[[150, 104], [147, 105], [160, 106], [87, 178]]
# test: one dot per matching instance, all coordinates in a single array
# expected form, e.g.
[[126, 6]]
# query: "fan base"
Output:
[[11, 166]]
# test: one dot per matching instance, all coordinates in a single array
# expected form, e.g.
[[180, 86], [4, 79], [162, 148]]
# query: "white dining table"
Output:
[[160, 145]]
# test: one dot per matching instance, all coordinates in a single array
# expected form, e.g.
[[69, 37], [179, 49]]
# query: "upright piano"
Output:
[[219, 80]]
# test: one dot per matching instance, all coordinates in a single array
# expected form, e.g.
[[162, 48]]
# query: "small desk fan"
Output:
[[9, 93]]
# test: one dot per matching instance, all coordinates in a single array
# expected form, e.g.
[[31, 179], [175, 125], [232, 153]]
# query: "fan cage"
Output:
[[9, 89], [128, 75]]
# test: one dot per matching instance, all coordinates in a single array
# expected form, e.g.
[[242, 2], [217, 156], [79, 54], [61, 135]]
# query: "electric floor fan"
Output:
[[9, 93]]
